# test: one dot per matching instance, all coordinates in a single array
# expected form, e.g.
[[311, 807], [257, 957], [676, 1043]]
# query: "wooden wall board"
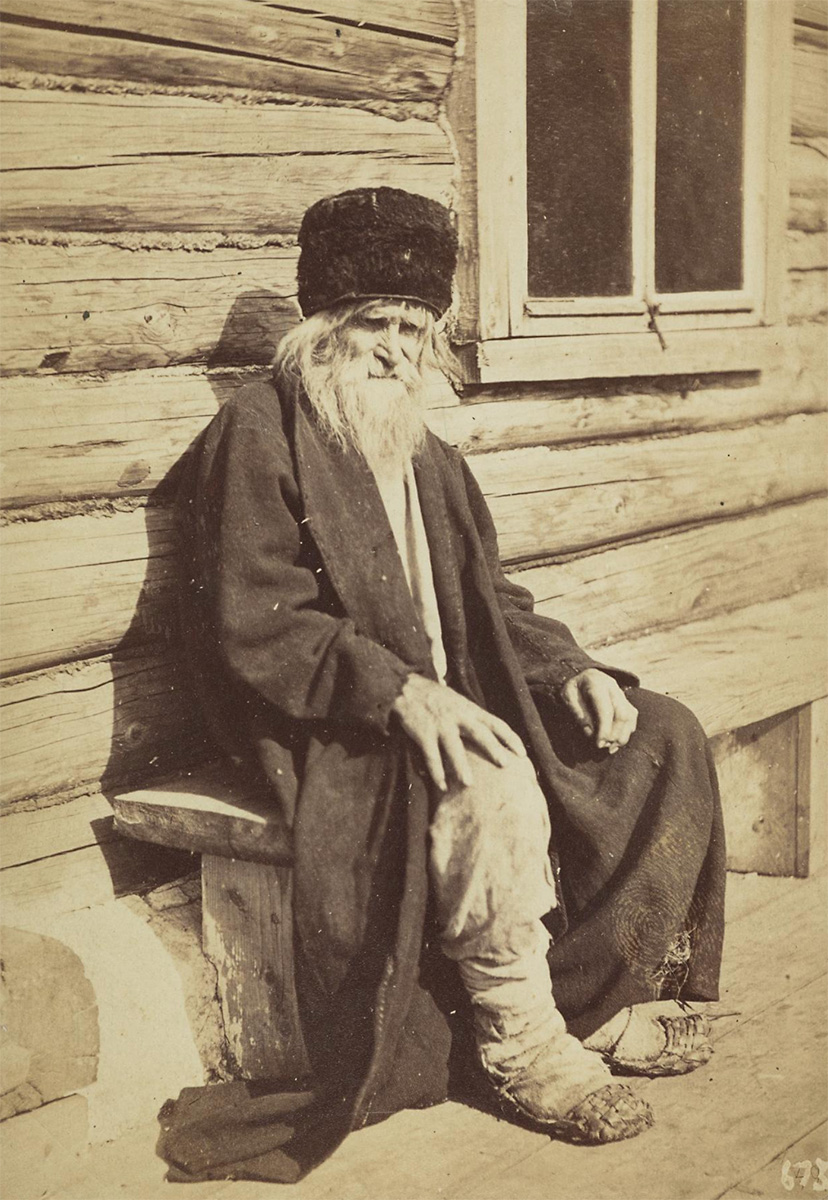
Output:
[[818, 786], [196, 43], [685, 576], [80, 586], [84, 878], [127, 720], [807, 251], [757, 767], [425, 18], [97, 162], [812, 12], [807, 298], [101, 307], [808, 186], [739, 667], [27, 837], [547, 500], [112, 721], [521, 417], [118, 434], [810, 90]]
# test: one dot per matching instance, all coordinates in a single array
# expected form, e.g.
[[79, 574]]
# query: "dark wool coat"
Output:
[[301, 631]]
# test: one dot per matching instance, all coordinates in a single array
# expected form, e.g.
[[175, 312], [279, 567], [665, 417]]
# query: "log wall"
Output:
[[156, 175]]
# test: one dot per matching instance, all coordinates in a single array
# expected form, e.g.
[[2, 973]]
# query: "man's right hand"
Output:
[[439, 719]]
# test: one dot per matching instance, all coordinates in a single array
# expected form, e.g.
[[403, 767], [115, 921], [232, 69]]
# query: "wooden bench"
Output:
[[246, 881]]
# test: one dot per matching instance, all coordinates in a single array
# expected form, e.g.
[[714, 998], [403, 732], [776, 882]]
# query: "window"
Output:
[[630, 184]]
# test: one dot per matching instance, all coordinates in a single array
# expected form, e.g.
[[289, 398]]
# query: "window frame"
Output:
[[524, 338]]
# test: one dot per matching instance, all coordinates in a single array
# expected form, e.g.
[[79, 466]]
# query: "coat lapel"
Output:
[[349, 526]]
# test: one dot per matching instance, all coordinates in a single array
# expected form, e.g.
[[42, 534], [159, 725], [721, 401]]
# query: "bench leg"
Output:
[[247, 928]]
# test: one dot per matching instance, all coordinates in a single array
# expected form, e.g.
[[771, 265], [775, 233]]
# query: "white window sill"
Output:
[[596, 356]]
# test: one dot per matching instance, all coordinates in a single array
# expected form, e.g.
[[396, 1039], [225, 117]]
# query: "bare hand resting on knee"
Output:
[[439, 720], [600, 708]]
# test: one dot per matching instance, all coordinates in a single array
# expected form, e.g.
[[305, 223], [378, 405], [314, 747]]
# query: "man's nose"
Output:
[[390, 348]]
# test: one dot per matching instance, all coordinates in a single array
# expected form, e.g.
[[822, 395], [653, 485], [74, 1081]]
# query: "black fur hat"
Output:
[[376, 242]]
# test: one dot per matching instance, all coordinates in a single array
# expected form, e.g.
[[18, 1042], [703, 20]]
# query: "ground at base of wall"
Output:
[[729, 1131]]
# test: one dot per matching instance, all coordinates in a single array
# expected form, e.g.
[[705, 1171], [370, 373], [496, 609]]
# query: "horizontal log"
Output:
[[426, 18], [806, 251], [76, 308], [196, 43], [808, 186], [92, 162], [115, 721], [127, 722], [82, 586], [97, 308], [684, 577], [809, 106], [27, 837], [740, 667], [519, 416], [550, 500], [88, 877], [812, 12], [807, 295], [85, 585], [113, 436], [119, 435]]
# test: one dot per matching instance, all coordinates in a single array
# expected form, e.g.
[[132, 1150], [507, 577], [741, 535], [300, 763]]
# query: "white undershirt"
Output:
[[398, 490]]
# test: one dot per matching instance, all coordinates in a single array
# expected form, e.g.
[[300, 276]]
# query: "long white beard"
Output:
[[381, 417]]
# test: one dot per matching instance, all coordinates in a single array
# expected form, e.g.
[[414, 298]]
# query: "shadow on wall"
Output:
[[157, 730]]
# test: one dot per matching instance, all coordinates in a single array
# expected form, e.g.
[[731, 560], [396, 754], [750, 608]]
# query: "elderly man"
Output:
[[493, 833]]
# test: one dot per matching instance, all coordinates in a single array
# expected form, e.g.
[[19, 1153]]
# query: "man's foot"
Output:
[[566, 1090], [610, 1114], [659, 1038]]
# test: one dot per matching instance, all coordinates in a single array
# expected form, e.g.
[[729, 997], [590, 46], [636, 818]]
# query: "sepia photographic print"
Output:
[[414, 612]]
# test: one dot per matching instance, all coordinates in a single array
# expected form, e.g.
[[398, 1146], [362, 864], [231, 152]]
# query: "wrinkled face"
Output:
[[389, 335]]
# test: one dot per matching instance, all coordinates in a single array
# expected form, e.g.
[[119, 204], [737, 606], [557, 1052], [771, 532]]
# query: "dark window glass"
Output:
[[700, 117], [579, 147]]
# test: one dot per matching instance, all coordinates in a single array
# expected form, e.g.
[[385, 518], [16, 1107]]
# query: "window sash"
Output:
[[506, 307]]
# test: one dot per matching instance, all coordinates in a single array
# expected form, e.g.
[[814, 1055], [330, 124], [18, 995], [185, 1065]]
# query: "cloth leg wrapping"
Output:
[[492, 881]]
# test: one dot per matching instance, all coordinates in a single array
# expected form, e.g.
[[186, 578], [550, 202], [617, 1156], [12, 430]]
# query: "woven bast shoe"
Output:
[[613, 1113], [672, 1043]]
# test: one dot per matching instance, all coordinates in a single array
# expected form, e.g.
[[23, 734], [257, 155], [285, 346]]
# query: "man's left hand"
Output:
[[600, 708]]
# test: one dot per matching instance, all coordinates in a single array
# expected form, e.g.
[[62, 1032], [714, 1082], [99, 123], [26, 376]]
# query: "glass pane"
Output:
[[700, 117], [579, 147]]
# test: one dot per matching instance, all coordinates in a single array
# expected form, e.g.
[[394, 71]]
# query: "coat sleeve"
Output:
[[261, 588], [546, 649]]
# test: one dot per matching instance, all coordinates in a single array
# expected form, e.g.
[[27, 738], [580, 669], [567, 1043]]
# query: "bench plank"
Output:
[[211, 811]]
